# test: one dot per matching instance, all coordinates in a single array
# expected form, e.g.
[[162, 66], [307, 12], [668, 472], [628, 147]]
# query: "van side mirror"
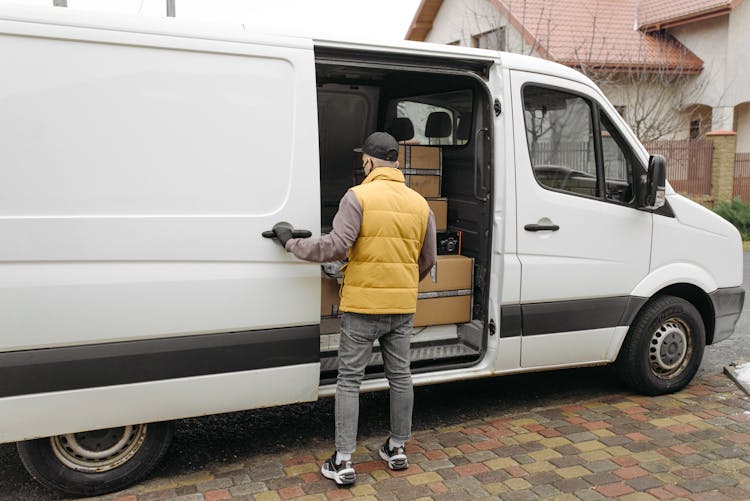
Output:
[[653, 184]]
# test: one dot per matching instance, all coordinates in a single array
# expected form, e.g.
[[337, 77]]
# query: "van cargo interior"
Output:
[[442, 117]]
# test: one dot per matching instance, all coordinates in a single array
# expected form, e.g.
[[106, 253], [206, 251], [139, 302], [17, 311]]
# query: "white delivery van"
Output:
[[142, 160]]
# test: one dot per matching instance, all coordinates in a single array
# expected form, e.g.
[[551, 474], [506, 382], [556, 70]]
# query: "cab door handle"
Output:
[[541, 227]]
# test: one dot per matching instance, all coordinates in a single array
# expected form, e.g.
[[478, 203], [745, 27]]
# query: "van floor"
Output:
[[431, 346]]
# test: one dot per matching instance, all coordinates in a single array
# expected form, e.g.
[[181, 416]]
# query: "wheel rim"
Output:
[[670, 348], [99, 450]]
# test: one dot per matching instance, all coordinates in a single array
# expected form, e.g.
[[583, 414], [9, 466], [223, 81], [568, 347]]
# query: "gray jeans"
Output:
[[358, 332]]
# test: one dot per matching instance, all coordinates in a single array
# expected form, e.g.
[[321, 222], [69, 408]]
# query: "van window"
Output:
[[618, 166], [437, 119], [559, 130]]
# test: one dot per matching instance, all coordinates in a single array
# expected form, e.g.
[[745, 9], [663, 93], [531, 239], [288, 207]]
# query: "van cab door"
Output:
[[582, 243]]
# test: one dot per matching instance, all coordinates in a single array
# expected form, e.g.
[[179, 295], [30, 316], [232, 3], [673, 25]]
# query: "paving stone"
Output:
[[546, 491], [601, 478], [602, 466], [644, 483], [249, 488], [522, 495], [571, 484], [581, 437], [589, 495]]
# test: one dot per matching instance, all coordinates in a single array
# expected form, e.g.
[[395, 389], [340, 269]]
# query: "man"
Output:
[[388, 232]]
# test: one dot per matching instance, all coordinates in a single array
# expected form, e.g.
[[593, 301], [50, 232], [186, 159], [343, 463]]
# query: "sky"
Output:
[[370, 19]]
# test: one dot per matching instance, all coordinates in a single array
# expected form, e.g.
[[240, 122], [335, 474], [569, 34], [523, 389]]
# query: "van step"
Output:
[[329, 361]]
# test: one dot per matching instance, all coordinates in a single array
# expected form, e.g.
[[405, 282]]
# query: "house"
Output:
[[674, 70]]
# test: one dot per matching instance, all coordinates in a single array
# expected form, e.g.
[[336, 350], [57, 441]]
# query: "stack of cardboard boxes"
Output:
[[445, 295]]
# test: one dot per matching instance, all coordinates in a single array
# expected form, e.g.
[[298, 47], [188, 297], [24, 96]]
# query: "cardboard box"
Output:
[[427, 186], [451, 273], [443, 310], [420, 157], [329, 297], [439, 207]]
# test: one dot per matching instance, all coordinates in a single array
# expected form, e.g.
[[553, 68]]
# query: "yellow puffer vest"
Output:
[[382, 275]]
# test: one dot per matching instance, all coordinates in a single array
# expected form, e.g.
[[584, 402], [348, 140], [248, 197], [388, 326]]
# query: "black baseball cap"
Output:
[[380, 145]]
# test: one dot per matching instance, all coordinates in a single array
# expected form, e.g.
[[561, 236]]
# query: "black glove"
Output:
[[283, 232]]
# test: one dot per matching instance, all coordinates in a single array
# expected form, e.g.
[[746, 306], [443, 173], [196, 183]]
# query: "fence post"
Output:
[[722, 164]]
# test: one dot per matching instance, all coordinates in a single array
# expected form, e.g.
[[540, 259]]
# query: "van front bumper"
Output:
[[728, 304]]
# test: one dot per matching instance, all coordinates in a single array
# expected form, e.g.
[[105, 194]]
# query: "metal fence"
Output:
[[742, 176], [688, 164], [572, 154]]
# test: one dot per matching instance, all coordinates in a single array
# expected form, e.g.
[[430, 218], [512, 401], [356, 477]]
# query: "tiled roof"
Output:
[[578, 33], [597, 34], [656, 14]]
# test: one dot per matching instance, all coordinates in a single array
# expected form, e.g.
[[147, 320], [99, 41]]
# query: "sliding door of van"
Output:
[[139, 172], [582, 244]]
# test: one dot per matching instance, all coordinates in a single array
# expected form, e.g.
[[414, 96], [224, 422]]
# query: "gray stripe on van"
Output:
[[107, 364], [565, 316]]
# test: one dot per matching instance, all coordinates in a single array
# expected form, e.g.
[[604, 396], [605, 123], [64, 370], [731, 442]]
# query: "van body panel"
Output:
[[569, 348], [29, 416], [697, 236], [139, 172]]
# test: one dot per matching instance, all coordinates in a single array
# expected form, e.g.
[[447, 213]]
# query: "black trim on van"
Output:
[[565, 316], [399, 61], [107, 364]]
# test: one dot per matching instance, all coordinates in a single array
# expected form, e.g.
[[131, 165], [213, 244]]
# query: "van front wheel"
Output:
[[664, 347], [96, 462]]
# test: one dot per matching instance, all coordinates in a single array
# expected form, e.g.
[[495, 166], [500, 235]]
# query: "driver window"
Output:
[[559, 131]]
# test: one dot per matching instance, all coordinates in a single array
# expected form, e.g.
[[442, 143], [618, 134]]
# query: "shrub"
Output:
[[736, 212]]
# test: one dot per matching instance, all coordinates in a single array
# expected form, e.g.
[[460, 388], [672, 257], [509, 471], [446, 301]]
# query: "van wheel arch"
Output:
[[698, 298]]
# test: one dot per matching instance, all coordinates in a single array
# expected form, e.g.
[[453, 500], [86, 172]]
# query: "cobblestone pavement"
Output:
[[694, 444]]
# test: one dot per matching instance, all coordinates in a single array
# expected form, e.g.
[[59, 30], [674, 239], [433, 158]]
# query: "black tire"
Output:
[[70, 463], [664, 347]]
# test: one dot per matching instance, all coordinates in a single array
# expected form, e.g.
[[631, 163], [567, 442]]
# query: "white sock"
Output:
[[393, 444], [341, 457]]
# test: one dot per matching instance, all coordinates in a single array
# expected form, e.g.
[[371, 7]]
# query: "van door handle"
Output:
[[295, 233], [541, 227], [478, 170]]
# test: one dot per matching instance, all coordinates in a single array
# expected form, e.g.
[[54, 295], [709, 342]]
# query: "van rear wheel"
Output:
[[97, 462], [664, 347]]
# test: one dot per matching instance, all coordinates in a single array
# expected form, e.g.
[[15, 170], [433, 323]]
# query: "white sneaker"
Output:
[[396, 457], [342, 473]]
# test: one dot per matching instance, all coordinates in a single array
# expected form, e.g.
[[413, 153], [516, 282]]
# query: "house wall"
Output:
[[738, 56], [708, 40], [459, 20]]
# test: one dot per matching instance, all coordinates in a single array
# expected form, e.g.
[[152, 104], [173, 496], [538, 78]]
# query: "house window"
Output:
[[455, 42], [494, 40], [695, 129]]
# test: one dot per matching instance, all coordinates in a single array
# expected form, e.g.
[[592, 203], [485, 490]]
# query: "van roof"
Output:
[[238, 32]]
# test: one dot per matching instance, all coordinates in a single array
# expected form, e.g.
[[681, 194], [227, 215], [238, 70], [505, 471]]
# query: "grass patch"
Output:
[[736, 212]]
